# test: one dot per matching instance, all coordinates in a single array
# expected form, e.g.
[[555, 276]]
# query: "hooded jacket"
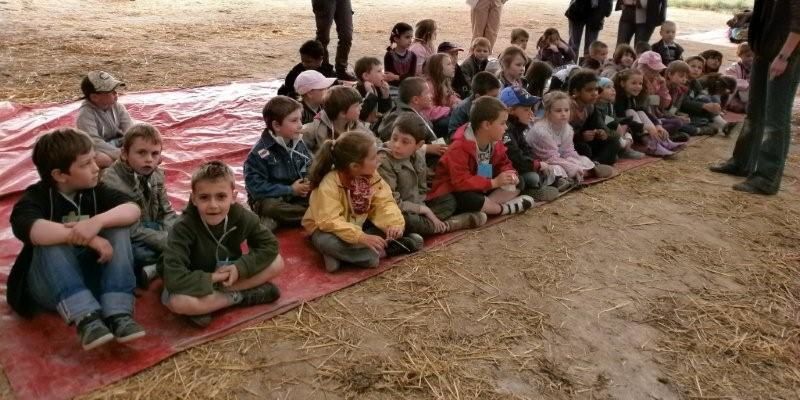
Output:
[[457, 170], [192, 253], [155, 205], [321, 129]]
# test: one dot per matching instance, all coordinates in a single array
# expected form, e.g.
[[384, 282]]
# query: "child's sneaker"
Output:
[[125, 328], [563, 184], [145, 275], [517, 205], [466, 221], [331, 263], [631, 154], [264, 294], [545, 193], [405, 245], [729, 128], [603, 171], [93, 332]]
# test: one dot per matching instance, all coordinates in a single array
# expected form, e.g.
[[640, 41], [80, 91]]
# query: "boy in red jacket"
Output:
[[476, 169]]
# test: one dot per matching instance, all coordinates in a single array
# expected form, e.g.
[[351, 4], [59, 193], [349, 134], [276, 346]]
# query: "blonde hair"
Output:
[[551, 98]]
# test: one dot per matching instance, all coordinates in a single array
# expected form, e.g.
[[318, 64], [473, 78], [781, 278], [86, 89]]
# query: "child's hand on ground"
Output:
[[436, 149], [505, 178], [103, 248], [390, 77], [301, 187], [376, 243], [394, 232], [232, 272], [82, 232], [219, 276]]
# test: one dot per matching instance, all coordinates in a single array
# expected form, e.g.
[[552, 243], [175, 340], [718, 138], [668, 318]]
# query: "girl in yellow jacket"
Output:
[[348, 192]]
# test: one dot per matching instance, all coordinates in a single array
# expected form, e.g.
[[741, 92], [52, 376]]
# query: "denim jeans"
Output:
[[763, 145], [576, 30], [355, 254], [69, 280]]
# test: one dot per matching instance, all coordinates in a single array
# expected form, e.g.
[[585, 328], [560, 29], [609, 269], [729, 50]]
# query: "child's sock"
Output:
[[235, 297], [517, 205]]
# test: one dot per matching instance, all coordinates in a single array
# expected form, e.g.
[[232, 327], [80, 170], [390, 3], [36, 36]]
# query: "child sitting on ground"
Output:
[[591, 136], [554, 50], [276, 168], [203, 266], [102, 117], [519, 38], [136, 174], [373, 89], [666, 47], [623, 58], [552, 142], [512, 63], [713, 60], [414, 96], [440, 70], [476, 170], [478, 58], [422, 47], [340, 113], [740, 70], [538, 76], [605, 106], [312, 86], [460, 84], [77, 256], [536, 175], [646, 129], [697, 104], [347, 192], [483, 84], [311, 58], [658, 98], [398, 62], [405, 171], [677, 76]]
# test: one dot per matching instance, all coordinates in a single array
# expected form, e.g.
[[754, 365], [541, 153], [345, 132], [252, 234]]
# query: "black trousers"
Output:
[[326, 12]]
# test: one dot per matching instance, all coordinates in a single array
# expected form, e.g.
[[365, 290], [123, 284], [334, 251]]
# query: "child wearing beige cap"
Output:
[[312, 86], [102, 117]]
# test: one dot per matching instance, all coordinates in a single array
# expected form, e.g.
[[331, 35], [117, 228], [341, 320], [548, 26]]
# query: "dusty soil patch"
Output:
[[662, 283]]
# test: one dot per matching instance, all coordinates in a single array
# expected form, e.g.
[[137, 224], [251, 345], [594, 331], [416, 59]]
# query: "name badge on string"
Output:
[[485, 170]]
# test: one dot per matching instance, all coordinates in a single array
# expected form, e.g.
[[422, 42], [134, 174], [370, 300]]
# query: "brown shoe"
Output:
[[466, 221]]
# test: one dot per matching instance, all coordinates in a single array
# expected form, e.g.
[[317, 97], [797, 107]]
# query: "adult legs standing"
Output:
[[575, 34], [485, 18], [627, 25], [326, 12]]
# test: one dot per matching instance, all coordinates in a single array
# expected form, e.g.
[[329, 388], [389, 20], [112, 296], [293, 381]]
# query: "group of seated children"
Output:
[[367, 168]]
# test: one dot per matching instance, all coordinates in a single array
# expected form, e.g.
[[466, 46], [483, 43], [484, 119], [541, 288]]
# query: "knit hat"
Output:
[[604, 82]]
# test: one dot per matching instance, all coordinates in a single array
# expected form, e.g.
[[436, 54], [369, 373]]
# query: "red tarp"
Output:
[[42, 357]]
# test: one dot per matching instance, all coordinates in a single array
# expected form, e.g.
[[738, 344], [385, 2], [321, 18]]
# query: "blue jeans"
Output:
[[763, 145], [69, 280]]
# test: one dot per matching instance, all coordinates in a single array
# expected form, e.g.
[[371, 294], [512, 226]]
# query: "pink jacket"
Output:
[[438, 111], [742, 75], [423, 52], [556, 147]]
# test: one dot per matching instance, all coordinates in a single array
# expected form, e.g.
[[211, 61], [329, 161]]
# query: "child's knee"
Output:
[[277, 265], [117, 236], [183, 304]]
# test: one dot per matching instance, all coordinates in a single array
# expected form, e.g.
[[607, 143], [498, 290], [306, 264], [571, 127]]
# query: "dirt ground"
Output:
[[660, 284]]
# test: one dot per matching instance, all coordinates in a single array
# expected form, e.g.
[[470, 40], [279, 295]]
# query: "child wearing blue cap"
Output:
[[536, 175]]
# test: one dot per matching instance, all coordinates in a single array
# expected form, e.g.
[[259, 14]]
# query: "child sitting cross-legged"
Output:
[[476, 170], [404, 169], [624, 57], [136, 174], [341, 110], [536, 175], [554, 50], [415, 96], [312, 87], [276, 168], [552, 141], [483, 84], [203, 267], [478, 58], [592, 138], [605, 106], [348, 192], [373, 89], [399, 62], [77, 256], [440, 70]]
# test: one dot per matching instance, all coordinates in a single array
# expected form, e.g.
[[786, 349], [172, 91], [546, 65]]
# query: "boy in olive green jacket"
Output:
[[203, 267]]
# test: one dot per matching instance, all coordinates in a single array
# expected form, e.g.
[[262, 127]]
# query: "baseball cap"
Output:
[[99, 82], [652, 60], [516, 96], [311, 80], [444, 47]]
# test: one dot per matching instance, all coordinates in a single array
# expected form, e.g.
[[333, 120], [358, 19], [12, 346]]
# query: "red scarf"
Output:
[[359, 192]]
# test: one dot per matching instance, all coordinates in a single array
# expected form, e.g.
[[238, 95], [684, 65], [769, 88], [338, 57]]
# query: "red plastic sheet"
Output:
[[41, 357]]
